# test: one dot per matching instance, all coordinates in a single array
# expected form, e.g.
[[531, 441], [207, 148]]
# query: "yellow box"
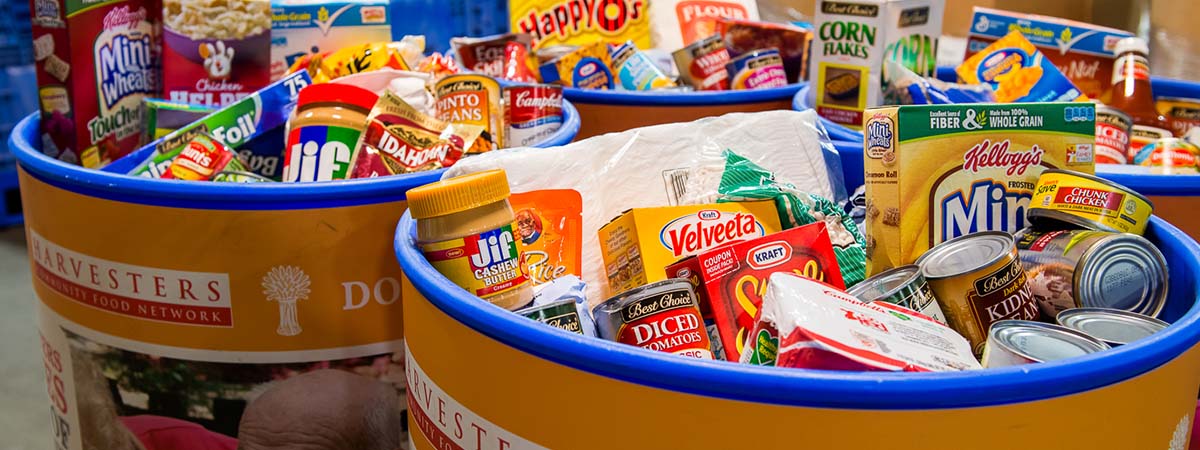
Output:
[[557, 22], [639, 244], [936, 172]]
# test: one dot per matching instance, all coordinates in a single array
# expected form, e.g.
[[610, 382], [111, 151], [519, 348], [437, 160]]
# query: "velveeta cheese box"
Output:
[[96, 61], [854, 38], [303, 27], [574, 22], [1081, 51], [638, 245], [937, 172]]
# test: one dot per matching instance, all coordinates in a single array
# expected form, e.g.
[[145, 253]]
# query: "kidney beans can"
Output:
[[475, 100], [1090, 202], [1017, 342], [1083, 268], [702, 64], [758, 69], [561, 314], [904, 286], [1112, 135], [532, 113], [661, 316], [978, 280], [1113, 326]]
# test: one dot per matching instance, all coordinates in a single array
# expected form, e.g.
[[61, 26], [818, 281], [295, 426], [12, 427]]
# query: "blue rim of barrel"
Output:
[[813, 388], [837, 132], [676, 98], [231, 196]]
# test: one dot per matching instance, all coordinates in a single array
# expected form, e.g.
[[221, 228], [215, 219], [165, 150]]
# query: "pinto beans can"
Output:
[[1090, 202], [473, 100], [532, 113], [979, 280], [662, 316]]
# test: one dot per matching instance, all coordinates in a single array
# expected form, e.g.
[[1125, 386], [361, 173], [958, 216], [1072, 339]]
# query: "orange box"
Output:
[[638, 245]]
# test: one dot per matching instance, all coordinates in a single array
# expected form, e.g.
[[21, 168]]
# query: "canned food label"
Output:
[[486, 264], [918, 298], [758, 73], [1093, 201], [668, 322], [1112, 142], [534, 113], [1143, 135], [472, 100], [1000, 295], [319, 153], [1050, 259], [702, 64]]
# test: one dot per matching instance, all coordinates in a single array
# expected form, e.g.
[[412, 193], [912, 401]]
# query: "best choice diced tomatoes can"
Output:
[[662, 316]]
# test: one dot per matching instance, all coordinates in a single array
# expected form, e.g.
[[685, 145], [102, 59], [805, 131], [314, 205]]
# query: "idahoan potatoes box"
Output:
[[936, 172]]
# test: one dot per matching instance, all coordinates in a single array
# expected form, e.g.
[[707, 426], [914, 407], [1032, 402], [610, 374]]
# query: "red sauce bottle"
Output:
[[1131, 93]]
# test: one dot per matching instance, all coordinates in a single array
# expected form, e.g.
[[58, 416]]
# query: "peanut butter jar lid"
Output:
[[458, 194]]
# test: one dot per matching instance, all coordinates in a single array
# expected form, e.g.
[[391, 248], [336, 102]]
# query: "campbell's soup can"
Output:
[[533, 113], [474, 100], [978, 280], [662, 316], [1112, 135]]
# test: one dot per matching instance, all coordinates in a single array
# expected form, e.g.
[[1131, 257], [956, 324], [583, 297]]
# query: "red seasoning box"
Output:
[[95, 62], [734, 277]]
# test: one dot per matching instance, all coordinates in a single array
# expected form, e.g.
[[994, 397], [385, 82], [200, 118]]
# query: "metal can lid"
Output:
[[1113, 326], [614, 303], [1123, 271], [1042, 342], [965, 254], [1105, 109], [885, 283], [533, 309]]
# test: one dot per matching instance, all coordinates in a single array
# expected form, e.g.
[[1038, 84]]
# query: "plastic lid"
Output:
[[458, 194], [1131, 44], [338, 93]]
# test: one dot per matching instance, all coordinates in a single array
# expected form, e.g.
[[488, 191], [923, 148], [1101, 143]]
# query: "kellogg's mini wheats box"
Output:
[[557, 22], [95, 62], [1082, 51], [638, 245], [937, 172]]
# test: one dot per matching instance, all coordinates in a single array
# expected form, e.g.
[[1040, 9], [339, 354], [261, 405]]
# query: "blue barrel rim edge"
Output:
[[266, 196], [675, 99], [804, 388], [837, 132]]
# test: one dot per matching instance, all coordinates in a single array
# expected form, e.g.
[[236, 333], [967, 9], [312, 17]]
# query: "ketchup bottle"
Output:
[[1131, 93]]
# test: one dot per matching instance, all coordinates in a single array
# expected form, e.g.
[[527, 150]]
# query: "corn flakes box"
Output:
[[558, 22], [1019, 72], [638, 245], [937, 172]]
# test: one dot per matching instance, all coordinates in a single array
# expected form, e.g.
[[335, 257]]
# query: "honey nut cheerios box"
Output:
[[936, 172]]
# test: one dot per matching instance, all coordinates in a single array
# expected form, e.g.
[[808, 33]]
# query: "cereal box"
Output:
[[1082, 51], [734, 277], [1018, 72], [303, 27], [937, 172], [639, 245], [557, 22], [215, 52], [854, 38], [676, 24], [96, 61]]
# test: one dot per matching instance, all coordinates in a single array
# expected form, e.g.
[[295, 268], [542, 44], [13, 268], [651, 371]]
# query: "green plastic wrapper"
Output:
[[744, 180]]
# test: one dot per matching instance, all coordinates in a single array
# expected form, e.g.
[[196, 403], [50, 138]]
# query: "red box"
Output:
[[734, 277]]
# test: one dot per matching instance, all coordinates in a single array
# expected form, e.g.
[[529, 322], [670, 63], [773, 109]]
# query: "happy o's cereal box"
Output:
[[96, 61], [937, 172], [557, 22]]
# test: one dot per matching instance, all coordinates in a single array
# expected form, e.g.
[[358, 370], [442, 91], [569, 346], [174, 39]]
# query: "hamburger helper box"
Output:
[[1081, 51], [303, 27], [730, 280], [96, 61]]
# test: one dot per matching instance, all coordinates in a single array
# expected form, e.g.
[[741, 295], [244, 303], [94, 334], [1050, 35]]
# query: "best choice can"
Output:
[[978, 279], [702, 64], [1090, 202], [1113, 326], [662, 316], [759, 69], [475, 100], [904, 286], [1112, 135], [1017, 342], [1074, 268], [532, 113], [561, 314]]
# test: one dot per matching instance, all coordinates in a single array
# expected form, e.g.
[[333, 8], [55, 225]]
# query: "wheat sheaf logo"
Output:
[[287, 285]]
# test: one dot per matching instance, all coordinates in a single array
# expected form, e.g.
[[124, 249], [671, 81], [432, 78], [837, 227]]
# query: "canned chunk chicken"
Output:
[[1113, 326], [1017, 342], [662, 316], [904, 286], [1090, 202], [978, 279], [1074, 268]]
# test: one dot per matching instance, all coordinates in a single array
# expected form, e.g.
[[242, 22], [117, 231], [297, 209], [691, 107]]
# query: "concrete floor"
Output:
[[24, 417]]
